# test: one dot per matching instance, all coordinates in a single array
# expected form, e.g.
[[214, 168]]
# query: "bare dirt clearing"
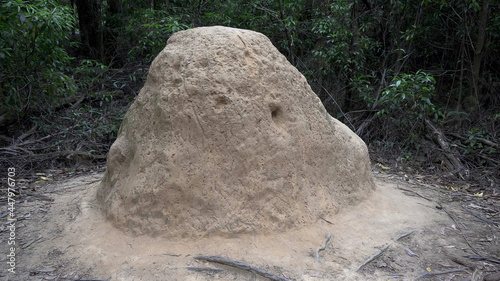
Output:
[[61, 235]]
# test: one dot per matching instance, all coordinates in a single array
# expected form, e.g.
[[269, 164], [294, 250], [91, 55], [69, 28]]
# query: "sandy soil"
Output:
[[61, 235]]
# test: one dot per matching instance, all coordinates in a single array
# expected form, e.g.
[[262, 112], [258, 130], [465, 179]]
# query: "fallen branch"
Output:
[[379, 253], [327, 221], [49, 155], [481, 217], [243, 266], [68, 154], [404, 235], [416, 193], [27, 134], [463, 262], [323, 247], [453, 164], [428, 274], [211, 269], [27, 244], [481, 258], [460, 232], [483, 140], [78, 279]]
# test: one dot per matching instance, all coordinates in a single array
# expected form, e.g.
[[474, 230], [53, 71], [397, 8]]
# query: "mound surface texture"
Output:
[[226, 137]]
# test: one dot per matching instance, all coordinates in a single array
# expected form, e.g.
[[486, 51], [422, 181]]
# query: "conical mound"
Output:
[[226, 137]]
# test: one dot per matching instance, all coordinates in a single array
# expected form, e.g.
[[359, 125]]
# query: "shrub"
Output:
[[409, 97], [154, 27], [33, 61]]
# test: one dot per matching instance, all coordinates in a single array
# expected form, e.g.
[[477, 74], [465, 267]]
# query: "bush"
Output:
[[154, 27], [405, 105], [409, 97], [33, 61]]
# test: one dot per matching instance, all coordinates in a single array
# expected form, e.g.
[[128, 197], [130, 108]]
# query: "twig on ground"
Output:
[[483, 140], [461, 233], [327, 221], [27, 244], [404, 235], [243, 266], [481, 258], [379, 253], [212, 269], [481, 217], [323, 247], [89, 279], [416, 193], [463, 262], [428, 274]]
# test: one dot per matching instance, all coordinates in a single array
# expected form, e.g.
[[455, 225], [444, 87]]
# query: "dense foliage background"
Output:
[[419, 81]]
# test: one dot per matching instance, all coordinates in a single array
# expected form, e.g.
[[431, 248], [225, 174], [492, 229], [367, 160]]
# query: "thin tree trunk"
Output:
[[89, 23], [287, 33], [353, 48], [115, 7], [461, 81], [478, 52]]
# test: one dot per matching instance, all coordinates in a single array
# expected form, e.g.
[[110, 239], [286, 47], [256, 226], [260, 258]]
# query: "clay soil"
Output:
[[416, 229]]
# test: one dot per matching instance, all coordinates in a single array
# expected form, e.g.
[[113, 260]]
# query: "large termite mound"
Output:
[[225, 138]]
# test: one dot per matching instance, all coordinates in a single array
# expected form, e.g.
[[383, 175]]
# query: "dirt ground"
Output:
[[412, 230]]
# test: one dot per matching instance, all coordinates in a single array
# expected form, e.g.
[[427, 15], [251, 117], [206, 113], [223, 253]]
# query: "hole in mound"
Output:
[[221, 101], [277, 115], [275, 112]]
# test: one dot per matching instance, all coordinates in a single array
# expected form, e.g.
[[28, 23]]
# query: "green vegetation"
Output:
[[33, 59], [155, 26], [398, 72]]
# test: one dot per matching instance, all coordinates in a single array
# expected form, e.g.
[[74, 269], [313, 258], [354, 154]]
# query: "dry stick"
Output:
[[456, 223], [481, 217], [463, 235], [212, 269], [327, 221], [455, 165], [383, 250], [242, 266], [481, 258], [407, 190], [379, 253], [328, 237], [26, 245], [463, 262], [427, 274], [78, 279], [404, 235]]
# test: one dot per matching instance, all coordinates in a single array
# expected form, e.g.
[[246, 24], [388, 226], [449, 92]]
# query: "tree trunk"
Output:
[[478, 54], [110, 43], [115, 7], [287, 33], [89, 23], [353, 49]]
